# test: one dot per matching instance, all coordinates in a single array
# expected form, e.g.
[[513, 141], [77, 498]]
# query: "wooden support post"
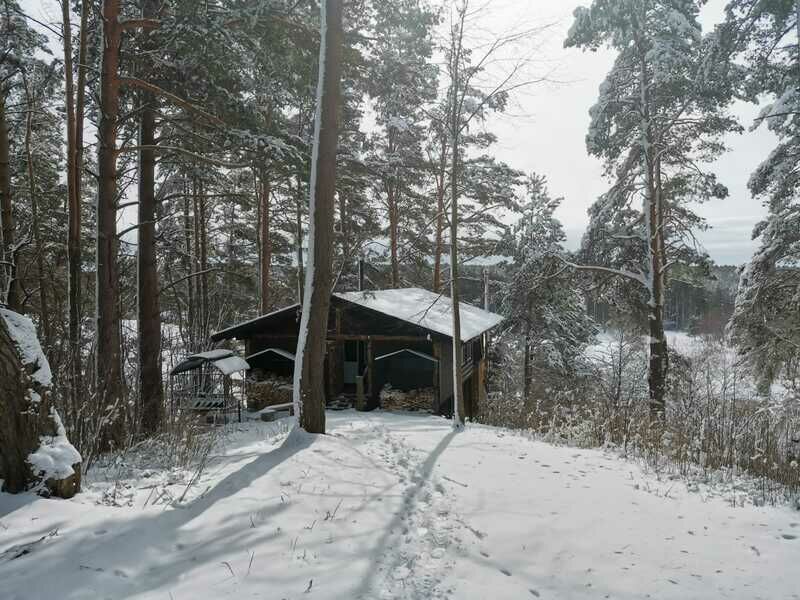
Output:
[[370, 368], [437, 392]]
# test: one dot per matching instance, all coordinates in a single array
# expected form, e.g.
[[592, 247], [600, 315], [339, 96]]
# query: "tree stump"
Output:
[[36, 453]]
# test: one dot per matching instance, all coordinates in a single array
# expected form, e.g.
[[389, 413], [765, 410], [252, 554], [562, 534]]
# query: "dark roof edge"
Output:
[[231, 332]]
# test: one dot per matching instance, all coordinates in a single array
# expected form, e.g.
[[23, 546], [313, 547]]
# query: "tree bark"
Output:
[[458, 349], [393, 233], [264, 241], [298, 225], [202, 238], [44, 310], [151, 396], [74, 173], [11, 292], [309, 377], [440, 191], [659, 357], [653, 210], [455, 130], [26, 415], [108, 371], [188, 268]]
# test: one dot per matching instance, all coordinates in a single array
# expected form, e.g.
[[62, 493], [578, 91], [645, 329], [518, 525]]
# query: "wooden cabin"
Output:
[[400, 338]]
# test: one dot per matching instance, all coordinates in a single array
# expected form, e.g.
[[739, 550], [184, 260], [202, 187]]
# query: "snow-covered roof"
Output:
[[284, 353], [225, 361], [426, 309], [231, 364], [213, 354]]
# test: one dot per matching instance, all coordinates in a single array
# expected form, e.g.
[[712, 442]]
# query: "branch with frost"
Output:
[[630, 275], [179, 150], [154, 89]]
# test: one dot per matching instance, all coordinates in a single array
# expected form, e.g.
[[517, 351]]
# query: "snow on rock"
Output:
[[55, 456], [23, 333], [397, 507]]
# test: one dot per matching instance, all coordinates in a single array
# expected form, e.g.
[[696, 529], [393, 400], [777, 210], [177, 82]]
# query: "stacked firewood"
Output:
[[268, 392], [413, 400]]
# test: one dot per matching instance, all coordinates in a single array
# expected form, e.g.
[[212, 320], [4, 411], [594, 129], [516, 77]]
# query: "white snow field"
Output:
[[395, 506]]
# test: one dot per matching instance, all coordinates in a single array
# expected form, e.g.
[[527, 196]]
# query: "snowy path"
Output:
[[393, 506]]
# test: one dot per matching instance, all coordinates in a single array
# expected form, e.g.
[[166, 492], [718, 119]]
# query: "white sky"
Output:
[[549, 137], [544, 129]]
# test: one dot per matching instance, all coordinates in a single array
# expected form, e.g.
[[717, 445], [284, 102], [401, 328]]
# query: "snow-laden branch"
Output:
[[638, 277]]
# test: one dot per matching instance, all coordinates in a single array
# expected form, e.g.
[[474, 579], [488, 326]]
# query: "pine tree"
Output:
[[766, 321], [541, 301], [402, 81], [467, 103], [20, 43], [660, 116]]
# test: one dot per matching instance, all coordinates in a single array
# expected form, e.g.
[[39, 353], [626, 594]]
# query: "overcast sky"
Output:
[[549, 136], [545, 128]]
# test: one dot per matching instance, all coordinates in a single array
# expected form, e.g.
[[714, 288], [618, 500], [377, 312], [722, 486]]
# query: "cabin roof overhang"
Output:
[[430, 312], [253, 326]]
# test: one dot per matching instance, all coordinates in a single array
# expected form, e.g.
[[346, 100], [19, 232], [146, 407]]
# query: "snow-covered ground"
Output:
[[394, 506]]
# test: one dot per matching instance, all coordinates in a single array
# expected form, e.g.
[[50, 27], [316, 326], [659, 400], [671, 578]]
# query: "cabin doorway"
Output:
[[353, 357]]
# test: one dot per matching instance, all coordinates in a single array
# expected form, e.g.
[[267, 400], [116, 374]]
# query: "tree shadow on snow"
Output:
[[122, 557], [420, 476]]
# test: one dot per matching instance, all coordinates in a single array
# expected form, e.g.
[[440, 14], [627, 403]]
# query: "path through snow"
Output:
[[398, 507]]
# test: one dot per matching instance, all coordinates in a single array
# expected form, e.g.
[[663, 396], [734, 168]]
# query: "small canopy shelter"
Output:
[[207, 383]]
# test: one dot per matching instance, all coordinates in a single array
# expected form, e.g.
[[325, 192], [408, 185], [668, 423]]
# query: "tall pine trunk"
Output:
[[188, 266], [36, 233], [394, 225], [458, 348], [659, 357], [264, 191], [151, 399], [455, 130], [11, 292], [309, 376], [298, 240], [653, 210], [440, 191], [108, 371], [75, 114]]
